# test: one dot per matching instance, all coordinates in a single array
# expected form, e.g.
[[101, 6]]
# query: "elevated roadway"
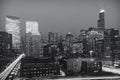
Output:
[[7, 71]]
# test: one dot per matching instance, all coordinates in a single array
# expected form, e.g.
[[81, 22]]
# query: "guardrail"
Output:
[[7, 71]]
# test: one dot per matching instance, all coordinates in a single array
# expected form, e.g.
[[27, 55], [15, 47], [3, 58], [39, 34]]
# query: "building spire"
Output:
[[102, 10]]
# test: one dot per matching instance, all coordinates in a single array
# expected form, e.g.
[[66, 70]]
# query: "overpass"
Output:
[[8, 70]]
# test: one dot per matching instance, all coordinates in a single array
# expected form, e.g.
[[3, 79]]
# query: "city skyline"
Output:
[[59, 39], [62, 16]]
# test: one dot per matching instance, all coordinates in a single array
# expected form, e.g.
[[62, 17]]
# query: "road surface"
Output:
[[7, 71]]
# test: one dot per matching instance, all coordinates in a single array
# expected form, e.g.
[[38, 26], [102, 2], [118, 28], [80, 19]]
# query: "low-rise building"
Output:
[[34, 67]]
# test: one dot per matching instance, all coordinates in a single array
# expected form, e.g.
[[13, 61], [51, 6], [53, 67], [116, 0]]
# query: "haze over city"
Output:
[[61, 16]]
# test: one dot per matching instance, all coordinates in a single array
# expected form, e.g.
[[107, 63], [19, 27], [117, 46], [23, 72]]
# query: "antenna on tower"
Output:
[[102, 10]]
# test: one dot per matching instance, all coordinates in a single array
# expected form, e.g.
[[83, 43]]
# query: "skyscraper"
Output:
[[101, 21], [13, 27], [32, 26], [33, 39], [50, 37], [5, 44], [69, 39]]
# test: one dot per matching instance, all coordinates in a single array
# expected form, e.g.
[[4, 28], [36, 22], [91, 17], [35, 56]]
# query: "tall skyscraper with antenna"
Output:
[[101, 21]]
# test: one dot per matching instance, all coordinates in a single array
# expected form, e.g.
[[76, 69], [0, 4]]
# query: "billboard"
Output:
[[32, 26], [12, 26]]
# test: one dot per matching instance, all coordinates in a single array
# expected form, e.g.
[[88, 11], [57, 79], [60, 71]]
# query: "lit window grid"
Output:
[[32, 26], [12, 27]]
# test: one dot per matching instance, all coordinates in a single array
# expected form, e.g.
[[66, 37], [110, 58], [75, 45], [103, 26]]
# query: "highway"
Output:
[[7, 71], [108, 77], [112, 70], [90, 78]]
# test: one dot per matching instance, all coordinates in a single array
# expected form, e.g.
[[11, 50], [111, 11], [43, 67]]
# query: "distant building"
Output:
[[117, 48], [56, 37], [99, 47], [92, 35], [77, 47], [69, 39], [111, 42], [23, 43], [61, 45], [32, 39], [74, 66], [82, 35], [50, 50], [13, 27], [33, 45], [46, 50], [28, 44], [52, 38], [108, 47], [5, 44], [6, 54], [36, 44], [101, 21], [33, 27]]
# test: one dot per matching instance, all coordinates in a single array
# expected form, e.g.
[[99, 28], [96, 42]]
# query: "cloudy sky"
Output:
[[61, 16]]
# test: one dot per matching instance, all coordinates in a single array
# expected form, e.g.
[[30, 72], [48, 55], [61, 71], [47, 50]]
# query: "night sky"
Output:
[[61, 16]]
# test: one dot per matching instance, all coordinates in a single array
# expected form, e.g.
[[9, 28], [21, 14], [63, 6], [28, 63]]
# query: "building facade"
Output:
[[82, 35], [32, 39], [13, 27], [101, 21], [52, 38], [39, 67], [5, 44], [33, 27], [32, 45]]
